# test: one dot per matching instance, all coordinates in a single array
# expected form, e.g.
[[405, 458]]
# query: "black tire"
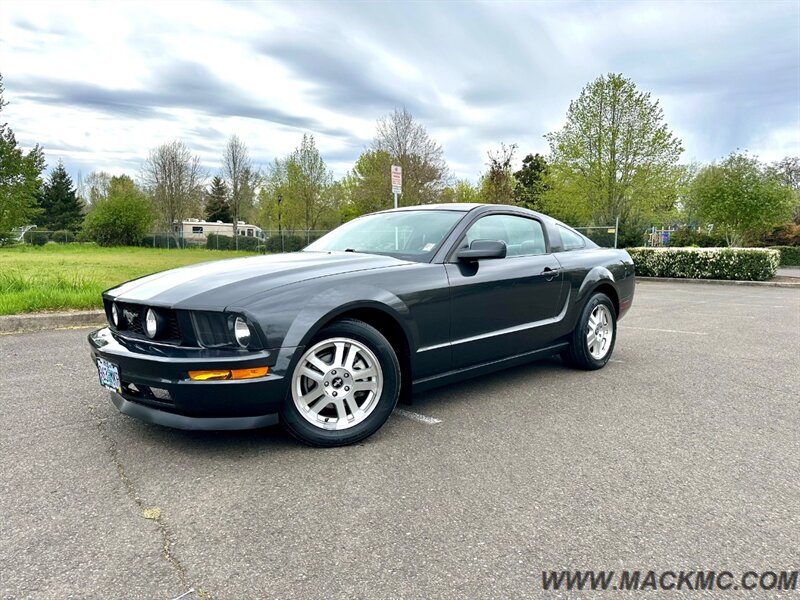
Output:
[[578, 354], [313, 434]]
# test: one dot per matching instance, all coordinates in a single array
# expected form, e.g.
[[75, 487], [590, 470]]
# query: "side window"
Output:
[[196, 229], [570, 240], [523, 236]]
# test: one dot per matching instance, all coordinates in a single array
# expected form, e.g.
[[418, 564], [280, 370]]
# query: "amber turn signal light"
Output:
[[222, 374], [249, 373]]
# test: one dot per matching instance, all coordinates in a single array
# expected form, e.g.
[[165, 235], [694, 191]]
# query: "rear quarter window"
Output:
[[571, 240]]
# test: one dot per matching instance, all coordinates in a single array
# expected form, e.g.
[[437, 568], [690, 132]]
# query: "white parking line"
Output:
[[416, 416], [665, 330]]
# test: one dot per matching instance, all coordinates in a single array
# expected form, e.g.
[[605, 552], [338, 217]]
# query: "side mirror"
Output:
[[480, 249]]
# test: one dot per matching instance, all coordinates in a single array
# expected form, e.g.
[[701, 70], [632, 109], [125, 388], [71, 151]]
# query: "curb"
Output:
[[783, 284], [26, 323]]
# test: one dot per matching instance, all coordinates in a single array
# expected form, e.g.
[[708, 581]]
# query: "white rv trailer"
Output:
[[196, 230]]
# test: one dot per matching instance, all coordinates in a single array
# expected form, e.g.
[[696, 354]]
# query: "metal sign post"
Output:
[[397, 182]]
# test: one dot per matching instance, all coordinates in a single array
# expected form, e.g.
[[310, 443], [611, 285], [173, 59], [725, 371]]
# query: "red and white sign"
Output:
[[397, 179]]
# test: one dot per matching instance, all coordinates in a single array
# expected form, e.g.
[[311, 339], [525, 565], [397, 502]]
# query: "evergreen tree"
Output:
[[217, 206], [19, 178], [61, 207], [531, 182]]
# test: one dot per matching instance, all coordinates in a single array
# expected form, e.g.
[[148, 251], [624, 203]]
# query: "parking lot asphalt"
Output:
[[682, 453]]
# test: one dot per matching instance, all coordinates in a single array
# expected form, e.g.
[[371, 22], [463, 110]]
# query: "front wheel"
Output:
[[344, 387], [593, 340]]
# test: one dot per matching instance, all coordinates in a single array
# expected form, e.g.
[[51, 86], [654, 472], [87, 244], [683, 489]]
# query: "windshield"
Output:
[[412, 234]]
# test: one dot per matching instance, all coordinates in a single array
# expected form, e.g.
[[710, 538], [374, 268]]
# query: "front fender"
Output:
[[335, 301]]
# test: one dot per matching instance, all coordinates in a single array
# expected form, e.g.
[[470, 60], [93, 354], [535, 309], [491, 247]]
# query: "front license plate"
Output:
[[109, 374]]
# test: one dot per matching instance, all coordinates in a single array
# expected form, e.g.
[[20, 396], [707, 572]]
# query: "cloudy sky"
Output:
[[99, 84]]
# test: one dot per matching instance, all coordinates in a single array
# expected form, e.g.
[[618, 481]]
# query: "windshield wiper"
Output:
[[350, 250]]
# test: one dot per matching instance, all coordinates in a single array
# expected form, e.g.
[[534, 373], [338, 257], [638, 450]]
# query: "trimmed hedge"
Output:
[[228, 242], [291, 243], [790, 255], [744, 264]]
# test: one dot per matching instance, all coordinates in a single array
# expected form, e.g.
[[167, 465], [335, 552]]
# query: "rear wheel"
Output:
[[344, 386], [593, 339]]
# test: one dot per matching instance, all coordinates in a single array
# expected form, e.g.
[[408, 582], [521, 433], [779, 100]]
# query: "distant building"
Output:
[[195, 230]]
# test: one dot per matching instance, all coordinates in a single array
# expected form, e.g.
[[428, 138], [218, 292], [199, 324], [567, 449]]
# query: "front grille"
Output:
[[132, 324], [211, 329]]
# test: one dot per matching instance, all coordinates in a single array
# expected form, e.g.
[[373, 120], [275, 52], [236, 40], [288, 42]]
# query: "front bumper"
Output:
[[156, 387]]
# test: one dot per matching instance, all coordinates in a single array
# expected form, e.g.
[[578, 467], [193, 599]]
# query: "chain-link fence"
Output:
[[606, 236], [249, 239], [39, 237]]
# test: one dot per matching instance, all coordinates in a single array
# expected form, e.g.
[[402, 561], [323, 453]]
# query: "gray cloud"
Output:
[[474, 74], [179, 84]]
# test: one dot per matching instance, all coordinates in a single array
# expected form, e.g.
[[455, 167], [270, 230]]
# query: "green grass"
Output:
[[72, 276]]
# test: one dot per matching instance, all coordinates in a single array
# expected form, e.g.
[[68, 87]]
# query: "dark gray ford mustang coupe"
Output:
[[327, 340]]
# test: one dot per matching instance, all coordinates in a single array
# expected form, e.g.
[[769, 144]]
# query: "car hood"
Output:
[[215, 285]]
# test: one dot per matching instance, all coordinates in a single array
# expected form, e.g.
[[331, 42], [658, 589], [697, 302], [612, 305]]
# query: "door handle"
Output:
[[549, 273]]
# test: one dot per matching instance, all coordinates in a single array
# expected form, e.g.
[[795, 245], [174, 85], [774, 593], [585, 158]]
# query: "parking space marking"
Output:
[[416, 416], [665, 330]]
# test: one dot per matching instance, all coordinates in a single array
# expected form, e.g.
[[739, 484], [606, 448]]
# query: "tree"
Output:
[[269, 214], [408, 144], [217, 207], [121, 219], [20, 181], [461, 191], [788, 170], [370, 184], [241, 179], [174, 179], [61, 208], [614, 157], [307, 180], [741, 197], [95, 187], [497, 184], [531, 182]]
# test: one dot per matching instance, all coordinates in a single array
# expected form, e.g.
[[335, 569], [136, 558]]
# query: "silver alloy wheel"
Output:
[[337, 383], [599, 332]]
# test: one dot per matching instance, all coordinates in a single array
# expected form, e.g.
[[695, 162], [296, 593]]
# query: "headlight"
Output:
[[150, 323], [241, 331], [115, 314]]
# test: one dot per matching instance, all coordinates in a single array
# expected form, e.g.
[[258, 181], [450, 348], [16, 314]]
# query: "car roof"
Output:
[[466, 207], [455, 206]]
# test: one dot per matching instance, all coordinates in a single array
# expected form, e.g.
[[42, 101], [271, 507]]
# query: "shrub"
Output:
[[291, 243], [748, 264], [785, 235], [5, 238], [228, 242], [790, 255], [123, 218], [62, 236], [36, 238]]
